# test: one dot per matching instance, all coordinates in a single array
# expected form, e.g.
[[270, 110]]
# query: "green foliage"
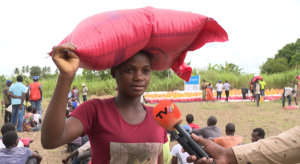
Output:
[[274, 66], [99, 75], [16, 71], [290, 52], [35, 71], [228, 67]]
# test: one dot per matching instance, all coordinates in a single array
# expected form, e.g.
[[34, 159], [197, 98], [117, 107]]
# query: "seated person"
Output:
[[189, 120], [24, 142], [257, 134], [74, 145], [81, 150], [74, 102], [13, 154], [209, 131], [176, 152], [71, 108], [230, 140], [28, 122], [6, 128], [36, 117]]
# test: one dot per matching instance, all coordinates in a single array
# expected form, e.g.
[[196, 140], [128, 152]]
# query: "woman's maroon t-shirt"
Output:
[[113, 140]]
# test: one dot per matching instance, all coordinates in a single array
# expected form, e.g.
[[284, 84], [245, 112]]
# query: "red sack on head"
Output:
[[256, 78], [107, 39], [298, 77]]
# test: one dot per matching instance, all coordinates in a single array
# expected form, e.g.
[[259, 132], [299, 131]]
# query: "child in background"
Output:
[[36, 117], [104, 120], [71, 108], [28, 122], [13, 154], [7, 128]]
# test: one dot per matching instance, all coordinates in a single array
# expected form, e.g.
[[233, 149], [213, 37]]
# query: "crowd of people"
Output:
[[207, 90]]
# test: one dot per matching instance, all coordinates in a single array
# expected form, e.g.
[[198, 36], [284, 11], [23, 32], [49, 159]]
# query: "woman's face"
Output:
[[133, 76]]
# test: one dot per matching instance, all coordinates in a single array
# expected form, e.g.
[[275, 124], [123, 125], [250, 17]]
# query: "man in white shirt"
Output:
[[219, 88], [227, 87], [288, 92], [176, 150]]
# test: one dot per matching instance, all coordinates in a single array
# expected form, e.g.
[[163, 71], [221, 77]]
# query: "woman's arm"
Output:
[[55, 130], [161, 158]]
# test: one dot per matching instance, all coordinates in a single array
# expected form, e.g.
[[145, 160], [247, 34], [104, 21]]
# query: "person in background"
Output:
[[69, 95], [35, 93], [166, 150], [297, 89], [227, 88], [219, 88], [257, 134], [257, 91], [17, 92], [244, 92], [7, 101], [6, 128], [75, 92], [262, 84], [77, 152], [84, 92], [189, 120], [37, 117], [28, 122], [287, 93], [283, 148], [203, 88], [211, 130], [209, 93], [230, 139], [177, 155], [71, 108], [13, 154]]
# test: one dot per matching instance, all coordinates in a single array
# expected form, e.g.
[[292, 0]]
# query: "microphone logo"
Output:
[[168, 109]]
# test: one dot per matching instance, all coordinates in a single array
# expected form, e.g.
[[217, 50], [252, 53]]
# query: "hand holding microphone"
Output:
[[169, 117]]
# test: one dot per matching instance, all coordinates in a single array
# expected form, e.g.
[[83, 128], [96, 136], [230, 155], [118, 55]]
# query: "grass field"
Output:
[[245, 115]]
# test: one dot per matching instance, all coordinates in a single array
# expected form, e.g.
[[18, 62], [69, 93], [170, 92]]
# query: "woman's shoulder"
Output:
[[98, 102]]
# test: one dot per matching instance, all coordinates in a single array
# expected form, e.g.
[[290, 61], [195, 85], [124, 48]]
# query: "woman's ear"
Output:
[[113, 72]]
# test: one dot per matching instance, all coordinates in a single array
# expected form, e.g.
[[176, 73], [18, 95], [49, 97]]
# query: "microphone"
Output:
[[168, 116]]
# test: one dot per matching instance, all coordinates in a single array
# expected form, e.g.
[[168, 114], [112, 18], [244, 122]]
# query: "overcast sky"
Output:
[[257, 29]]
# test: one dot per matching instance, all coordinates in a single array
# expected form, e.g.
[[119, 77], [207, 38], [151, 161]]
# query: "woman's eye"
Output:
[[146, 71], [129, 70]]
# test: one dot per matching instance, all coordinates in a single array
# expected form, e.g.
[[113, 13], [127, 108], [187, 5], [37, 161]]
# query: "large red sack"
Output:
[[298, 77], [107, 39], [256, 78]]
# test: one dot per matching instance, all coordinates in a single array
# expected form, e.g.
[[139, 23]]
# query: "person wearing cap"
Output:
[[35, 93], [17, 92], [7, 101], [203, 87], [84, 92], [219, 88], [177, 154]]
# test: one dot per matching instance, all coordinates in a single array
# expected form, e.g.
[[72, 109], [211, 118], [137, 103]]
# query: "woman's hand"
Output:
[[65, 58]]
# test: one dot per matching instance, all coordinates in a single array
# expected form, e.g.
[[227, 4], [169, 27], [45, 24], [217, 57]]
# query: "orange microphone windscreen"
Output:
[[167, 115]]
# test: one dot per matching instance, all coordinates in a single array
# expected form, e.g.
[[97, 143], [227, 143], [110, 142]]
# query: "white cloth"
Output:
[[288, 91], [69, 94], [219, 87], [84, 148], [36, 117], [84, 90], [227, 86], [176, 152], [20, 144]]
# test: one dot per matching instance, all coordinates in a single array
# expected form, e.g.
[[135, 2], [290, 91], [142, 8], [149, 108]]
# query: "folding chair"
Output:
[[3, 106]]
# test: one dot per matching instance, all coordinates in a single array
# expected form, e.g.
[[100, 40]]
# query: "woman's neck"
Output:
[[125, 102]]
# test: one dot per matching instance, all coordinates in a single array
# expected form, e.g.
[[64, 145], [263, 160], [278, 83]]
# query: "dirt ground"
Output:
[[245, 115]]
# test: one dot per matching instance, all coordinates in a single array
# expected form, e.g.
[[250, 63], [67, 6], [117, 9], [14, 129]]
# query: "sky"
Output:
[[256, 29]]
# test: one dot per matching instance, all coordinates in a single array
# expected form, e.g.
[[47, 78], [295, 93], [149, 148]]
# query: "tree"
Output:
[[288, 51], [27, 69], [56, 71], [35, 71], [295, 61], [274, 66], [16, 71], [23, 69], [101, 75]]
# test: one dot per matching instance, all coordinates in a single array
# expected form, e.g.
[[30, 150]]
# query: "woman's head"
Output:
[[133, 75], [29, 109], [34, 111]]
